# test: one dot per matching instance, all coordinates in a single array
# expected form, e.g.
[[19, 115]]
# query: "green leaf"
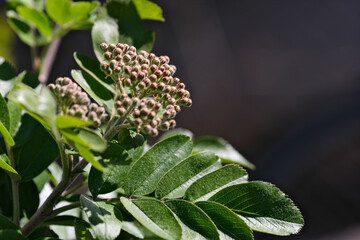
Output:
[[213, 182], [228, 223], [36, 153], [177, 131], [8, 139], [104, 30], [194, 218], [37, 18], [80, 10], [15, 117], [63, 220], [155, 216], [148, 10], [40, 106], [4, 113], [263, 207], [153, 165], [7, 77], [92, 67], [41, 179], [222, 149], [70, 122], [4, 164], [5, 223], [118, 21], [81, 230], [133, 142], [180, 177], [59, 10], [105, 219], [9, 234], [29, 198], [85, 137], [95, 89], [88, 156], [117, 161], [20, 28]]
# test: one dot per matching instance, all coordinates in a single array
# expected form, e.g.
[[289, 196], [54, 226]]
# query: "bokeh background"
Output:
[[280, 80]]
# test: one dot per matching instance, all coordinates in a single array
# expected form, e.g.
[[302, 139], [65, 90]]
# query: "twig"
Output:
[[48, 61]]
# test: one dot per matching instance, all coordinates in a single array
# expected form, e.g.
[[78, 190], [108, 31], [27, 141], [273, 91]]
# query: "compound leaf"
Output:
[[180, 177], [222, 149], [155, 216], [146, 172], [194, 218], [213, 182], [262, 206], [105, 219]]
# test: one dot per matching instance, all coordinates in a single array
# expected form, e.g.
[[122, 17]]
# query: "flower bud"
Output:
[[153, 78], [153, 68], [100, 111], [177, 108], [152, 115], [117, 51], [118, 104], [107, 55], [92, 116], [144, 112], [104, 66], [120, 45], [165, 126], [151, 56], [118, 58], [123, 96], [132, 49], [138, 121], [71, 112], [127, 58], [172, 123], [113, 64], [127, 69], [51, 87], [136, 113], [111, 47], [153, 86], [133, 75], [121, 111], [166, 80], [161, 86], [128, 82], [147, 82], [142, 85], [103, 46], [156, 61], [158, 73], [147, 128], [144, 53], [105, 117], [59, 81], [126, 102], [163, 60], [167, 73], [117, 70], [154, 132]]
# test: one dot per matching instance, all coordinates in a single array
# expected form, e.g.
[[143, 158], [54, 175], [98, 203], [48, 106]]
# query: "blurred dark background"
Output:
[[280, 80]]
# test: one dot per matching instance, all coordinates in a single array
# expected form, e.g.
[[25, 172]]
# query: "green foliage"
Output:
[[179, 188]]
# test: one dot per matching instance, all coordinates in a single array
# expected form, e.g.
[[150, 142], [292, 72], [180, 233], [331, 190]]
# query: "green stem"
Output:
[[64, 209], [75, 189], [15, 189]]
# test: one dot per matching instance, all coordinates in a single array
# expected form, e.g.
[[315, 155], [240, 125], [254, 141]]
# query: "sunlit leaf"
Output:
[[105, 219]]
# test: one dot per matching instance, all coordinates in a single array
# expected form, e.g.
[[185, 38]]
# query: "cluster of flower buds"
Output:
[[154, 95], [73, 101]]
